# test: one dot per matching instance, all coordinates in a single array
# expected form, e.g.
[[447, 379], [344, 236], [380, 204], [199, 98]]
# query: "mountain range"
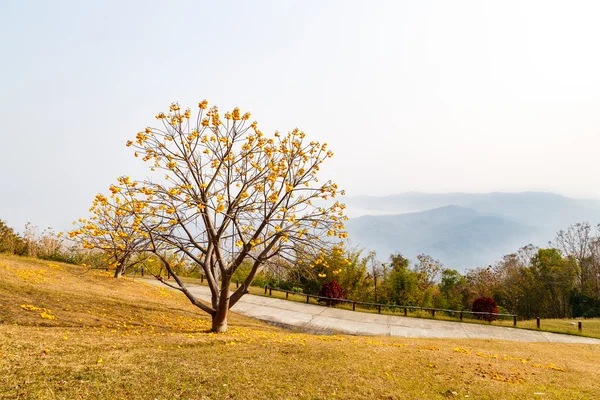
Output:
[[462, 230]]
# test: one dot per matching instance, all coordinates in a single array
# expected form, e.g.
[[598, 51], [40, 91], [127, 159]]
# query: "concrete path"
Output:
[[314, 318]]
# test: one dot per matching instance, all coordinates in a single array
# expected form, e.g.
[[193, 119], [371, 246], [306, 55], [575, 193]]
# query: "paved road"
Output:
[[314, 318]]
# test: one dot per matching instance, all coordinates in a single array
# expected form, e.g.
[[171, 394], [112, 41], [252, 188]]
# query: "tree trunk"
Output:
[[219, 320], [119, 271], [120, 268]]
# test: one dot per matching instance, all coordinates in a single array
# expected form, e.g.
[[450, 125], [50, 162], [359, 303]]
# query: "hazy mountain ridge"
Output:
[[476, 231]]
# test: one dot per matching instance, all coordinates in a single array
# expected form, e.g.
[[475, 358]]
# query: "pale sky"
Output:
[[432, 96]]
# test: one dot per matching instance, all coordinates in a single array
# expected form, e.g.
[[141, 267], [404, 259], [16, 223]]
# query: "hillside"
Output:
[[460, 237], [528, 208], [68, 333], [463, 230]]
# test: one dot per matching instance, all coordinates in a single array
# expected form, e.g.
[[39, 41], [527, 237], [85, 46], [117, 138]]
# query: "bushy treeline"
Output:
[[426, 283], [49, 245], [556, 282], [46, 245], [560, 281]]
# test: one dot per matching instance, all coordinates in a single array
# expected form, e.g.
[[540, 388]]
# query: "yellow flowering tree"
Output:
[[231, 195], [114, 227]]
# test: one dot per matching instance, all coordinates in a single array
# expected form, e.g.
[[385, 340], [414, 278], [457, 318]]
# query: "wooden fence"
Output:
[[330, 301]]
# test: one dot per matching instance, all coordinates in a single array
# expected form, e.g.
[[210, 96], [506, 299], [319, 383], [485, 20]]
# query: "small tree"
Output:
[[10, 241], [231, 195], [486, 305], [114, 227]]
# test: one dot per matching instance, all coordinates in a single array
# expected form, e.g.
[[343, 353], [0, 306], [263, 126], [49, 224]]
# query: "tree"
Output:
[[576, 242], [554, 277], [114, 227], [595, 269], [429, 270], [347, 267], [582, 243], [452, 290], [402, 283], [10, 241], [353, 274], [512, 284], [230, 195]]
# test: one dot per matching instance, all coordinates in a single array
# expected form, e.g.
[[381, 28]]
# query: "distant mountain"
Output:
[[463, 230], [530, 208]]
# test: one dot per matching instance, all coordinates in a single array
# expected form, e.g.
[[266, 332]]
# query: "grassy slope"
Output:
[[124, 339]]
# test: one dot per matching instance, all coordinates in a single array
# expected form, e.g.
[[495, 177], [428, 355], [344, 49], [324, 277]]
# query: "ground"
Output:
[[68, 333]]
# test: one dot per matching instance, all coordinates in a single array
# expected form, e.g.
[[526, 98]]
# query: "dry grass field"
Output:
[[68, 333]]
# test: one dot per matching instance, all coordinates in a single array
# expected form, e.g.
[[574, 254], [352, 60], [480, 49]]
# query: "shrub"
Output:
[[331, 290], [583, 305], [260, 280], [488, 305], [10, 241]]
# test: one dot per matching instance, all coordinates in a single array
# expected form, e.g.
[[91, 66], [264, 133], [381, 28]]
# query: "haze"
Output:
[[412, 96]]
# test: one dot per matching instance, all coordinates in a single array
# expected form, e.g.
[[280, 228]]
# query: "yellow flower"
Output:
[[203, 104], [29, 307], [220, 208], [46, 315]]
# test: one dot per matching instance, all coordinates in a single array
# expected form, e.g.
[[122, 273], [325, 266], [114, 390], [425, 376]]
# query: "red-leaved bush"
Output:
[[331, 290], [488, 305]]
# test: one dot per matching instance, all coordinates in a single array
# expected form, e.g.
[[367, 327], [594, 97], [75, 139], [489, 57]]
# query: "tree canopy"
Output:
[[230, 194]]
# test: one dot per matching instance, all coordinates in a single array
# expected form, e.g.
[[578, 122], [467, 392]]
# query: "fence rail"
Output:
[[331, 301]]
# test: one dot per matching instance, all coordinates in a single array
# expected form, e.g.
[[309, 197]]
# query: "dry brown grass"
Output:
[[124, 339]]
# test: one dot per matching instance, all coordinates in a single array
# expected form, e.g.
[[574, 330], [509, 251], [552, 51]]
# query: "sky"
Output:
[[432, 96]]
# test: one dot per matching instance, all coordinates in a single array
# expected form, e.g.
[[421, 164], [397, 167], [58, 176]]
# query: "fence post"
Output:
[[266, 288], [514, 320], [579, 326], [237, 284], [461, 315], [432, 313], [142, 271], [286, 295], [379, 308], [307, 299], [405, 311], [201, 278], [537, 322], [353, 306], [270, 292]]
